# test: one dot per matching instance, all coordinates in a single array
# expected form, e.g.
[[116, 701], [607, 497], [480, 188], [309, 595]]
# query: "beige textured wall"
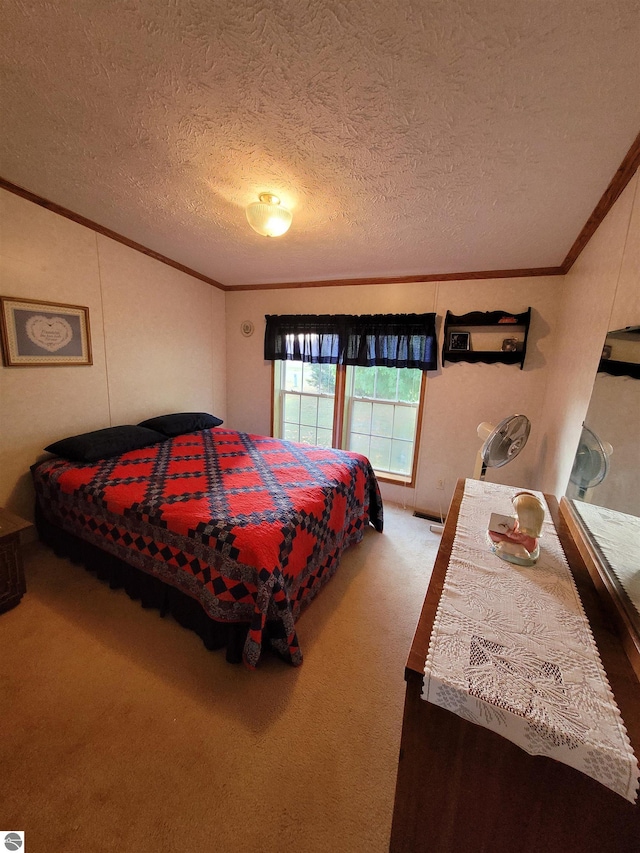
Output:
[[609, 261], [162, 341], [157, 335], [458, 396]]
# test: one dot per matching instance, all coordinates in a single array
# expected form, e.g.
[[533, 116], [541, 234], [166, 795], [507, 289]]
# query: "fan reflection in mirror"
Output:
[[591, 463], [516, 539]]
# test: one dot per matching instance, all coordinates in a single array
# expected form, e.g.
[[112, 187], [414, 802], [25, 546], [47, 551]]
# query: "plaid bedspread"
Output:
[[250, 526]]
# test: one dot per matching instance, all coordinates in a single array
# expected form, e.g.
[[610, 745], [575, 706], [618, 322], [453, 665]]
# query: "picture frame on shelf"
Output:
[[459, 341], [36, 333]]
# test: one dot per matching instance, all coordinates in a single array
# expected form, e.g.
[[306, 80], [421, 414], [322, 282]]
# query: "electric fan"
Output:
[[591, 464], [501, 443]]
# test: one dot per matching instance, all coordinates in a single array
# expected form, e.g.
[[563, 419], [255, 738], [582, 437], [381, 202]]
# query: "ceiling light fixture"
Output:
[[267, 217]]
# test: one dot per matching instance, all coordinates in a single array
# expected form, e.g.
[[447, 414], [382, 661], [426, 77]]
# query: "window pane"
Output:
[[309, 411], [325, 412], [308, 434], [404, 424], [319, 378], [292, 375], [325, 437], [291, 432], [291, 408], [361, 417], [380, 453], [311, 378], [359, 444], [327, 380], [409, 385], [382, 421], [401, 457], [364, 381], [386, 383]]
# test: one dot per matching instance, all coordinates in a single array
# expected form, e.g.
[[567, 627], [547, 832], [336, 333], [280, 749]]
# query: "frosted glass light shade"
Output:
[[267, 217]]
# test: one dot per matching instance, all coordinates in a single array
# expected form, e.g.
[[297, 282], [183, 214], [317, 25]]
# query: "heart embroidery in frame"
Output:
[[50, 333]]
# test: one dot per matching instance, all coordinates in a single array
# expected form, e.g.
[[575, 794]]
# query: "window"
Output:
[[379, 416], [304, 402], [355, 382]]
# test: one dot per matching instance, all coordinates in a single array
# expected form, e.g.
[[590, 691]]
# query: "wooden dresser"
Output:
[[12, 583], [462, 788]]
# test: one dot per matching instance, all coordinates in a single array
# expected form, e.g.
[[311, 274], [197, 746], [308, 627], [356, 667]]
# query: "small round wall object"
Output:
[[247, 328]]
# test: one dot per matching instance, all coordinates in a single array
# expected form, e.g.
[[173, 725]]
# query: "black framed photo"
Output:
[[459, 340], [37, 333]]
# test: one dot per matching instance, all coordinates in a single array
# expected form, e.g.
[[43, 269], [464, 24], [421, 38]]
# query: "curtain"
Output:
[[367, 340]]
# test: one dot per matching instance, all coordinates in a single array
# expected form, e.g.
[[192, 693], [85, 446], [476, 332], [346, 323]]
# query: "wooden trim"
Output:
[[273, 395], [106, 232], [392, 480], [338, 404], [625, 172], [416, 447], [400, 279]]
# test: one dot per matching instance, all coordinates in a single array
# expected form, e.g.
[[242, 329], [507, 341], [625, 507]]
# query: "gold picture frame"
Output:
[[44, 334]]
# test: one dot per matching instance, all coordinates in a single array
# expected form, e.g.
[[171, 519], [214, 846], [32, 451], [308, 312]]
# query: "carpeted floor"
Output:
[[120, 731]]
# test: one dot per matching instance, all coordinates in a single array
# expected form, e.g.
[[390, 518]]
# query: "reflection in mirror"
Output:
[[606, 470], [604, 485]]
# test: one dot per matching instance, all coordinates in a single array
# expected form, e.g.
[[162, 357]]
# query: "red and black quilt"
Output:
[[250, 526]]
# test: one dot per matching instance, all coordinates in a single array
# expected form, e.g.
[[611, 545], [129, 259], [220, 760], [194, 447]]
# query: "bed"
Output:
[[233, 533]]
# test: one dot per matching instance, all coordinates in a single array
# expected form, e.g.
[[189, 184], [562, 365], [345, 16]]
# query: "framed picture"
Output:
[[36, 333], [458, 340]]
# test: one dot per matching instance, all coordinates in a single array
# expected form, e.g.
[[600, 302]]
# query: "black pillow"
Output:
[[102, 443], [181, 422]]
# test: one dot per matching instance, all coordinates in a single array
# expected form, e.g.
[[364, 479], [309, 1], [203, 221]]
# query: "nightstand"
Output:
[[12, 583]]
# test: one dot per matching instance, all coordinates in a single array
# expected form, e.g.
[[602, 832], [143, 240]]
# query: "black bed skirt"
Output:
[[149, 590]]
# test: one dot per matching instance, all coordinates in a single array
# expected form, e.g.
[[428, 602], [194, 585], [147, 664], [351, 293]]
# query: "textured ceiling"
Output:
[[406, 137]]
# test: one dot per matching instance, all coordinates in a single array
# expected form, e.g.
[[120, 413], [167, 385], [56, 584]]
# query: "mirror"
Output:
[[604, 489]]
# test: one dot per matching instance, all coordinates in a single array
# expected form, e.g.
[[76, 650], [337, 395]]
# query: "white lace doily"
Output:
[[512, 650]]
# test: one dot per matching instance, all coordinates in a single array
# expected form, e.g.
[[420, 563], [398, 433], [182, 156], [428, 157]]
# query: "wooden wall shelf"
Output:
[[494, 326]]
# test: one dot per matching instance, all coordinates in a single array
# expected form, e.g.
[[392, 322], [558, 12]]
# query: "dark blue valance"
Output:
[[366, 340]]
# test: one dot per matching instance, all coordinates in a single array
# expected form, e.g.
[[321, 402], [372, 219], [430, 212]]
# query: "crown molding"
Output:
[[401, 279]]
